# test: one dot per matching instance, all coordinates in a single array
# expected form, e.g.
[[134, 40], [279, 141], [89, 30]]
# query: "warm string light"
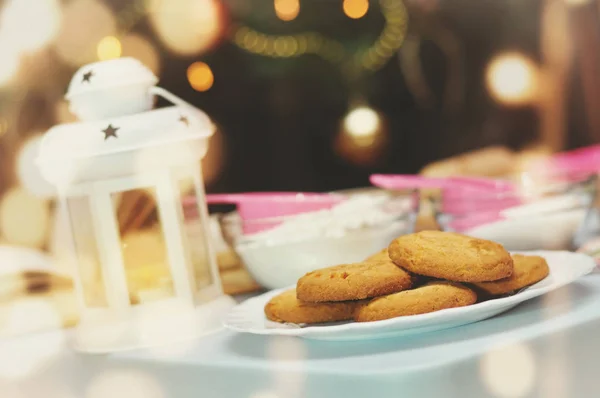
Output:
[[288, 46], [287, 10], [355, 9], [85, 24], [361, 122], [362, 136], [109, 48], [384, 47], [18, 38], [139, 47], [512, 79], [200, 76], [43, 21], [24, 218], [187, 27], [390, 39]]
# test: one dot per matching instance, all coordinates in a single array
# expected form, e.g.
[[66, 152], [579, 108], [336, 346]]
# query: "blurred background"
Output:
[[312, 95]]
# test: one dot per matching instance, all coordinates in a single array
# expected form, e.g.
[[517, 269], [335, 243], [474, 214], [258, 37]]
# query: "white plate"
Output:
[[565, 267]]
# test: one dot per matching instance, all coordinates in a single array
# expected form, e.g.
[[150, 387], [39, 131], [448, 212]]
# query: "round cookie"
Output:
[[451, 256], [285, 307], [353, 282], [379, 256], [528, 270], [431, 297]]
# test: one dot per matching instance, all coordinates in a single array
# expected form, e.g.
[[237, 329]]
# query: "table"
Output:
[[547, 347]]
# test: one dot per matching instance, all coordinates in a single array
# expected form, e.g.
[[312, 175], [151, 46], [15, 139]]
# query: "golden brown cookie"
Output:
[[528, 270], [451, 256], [379, 256], [431, 297], [285, 307], [353, 282]]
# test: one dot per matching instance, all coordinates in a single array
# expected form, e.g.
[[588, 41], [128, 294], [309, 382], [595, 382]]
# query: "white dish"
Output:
[[565, 267]]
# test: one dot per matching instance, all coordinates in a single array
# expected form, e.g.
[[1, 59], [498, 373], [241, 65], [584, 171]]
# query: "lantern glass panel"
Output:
[[86, 248], [194, 235], [143, 246]]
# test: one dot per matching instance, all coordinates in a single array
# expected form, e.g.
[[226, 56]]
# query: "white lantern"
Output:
[[144, 277]]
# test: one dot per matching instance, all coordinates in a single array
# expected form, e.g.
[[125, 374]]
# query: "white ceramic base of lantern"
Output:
[[151, 327]]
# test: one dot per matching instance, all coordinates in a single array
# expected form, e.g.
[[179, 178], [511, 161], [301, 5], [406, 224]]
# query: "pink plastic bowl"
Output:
[[268, 207], [460, 195]]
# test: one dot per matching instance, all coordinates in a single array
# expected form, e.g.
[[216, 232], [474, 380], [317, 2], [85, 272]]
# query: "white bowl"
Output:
[[546, 220], [281, 265], [550, 232], [278, 260]]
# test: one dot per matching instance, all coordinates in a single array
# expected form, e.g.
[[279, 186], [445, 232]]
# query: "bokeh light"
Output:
[[187, 27], [30, 24], [265, 394], [355, 9], [361, 122], [287, 10], [85, 24], [130, 383], [512, 79], [9, 65], [509, 371], [109, 48], [363, 136], [28, 171], [140, 48], [23, 356], [284, 348], [24, 218], [200, 76], [31, 315], [10, 58]]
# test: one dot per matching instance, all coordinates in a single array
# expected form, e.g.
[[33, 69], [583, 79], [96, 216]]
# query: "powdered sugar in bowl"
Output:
[[350, 231]]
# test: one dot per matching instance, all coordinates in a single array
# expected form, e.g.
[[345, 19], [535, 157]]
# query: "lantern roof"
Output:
[[113, 99], [100, 76]]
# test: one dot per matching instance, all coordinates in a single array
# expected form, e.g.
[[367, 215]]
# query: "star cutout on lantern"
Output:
[[87, 76], [110, 131], [184, 120]]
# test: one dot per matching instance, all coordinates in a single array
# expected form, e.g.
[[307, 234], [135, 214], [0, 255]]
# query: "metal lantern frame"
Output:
[[96, 160], [178, 246]]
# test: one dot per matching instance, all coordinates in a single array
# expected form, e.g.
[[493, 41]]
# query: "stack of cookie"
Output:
[[418, 273]]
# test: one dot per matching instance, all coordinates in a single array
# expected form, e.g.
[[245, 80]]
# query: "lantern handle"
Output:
[[175, 100]]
